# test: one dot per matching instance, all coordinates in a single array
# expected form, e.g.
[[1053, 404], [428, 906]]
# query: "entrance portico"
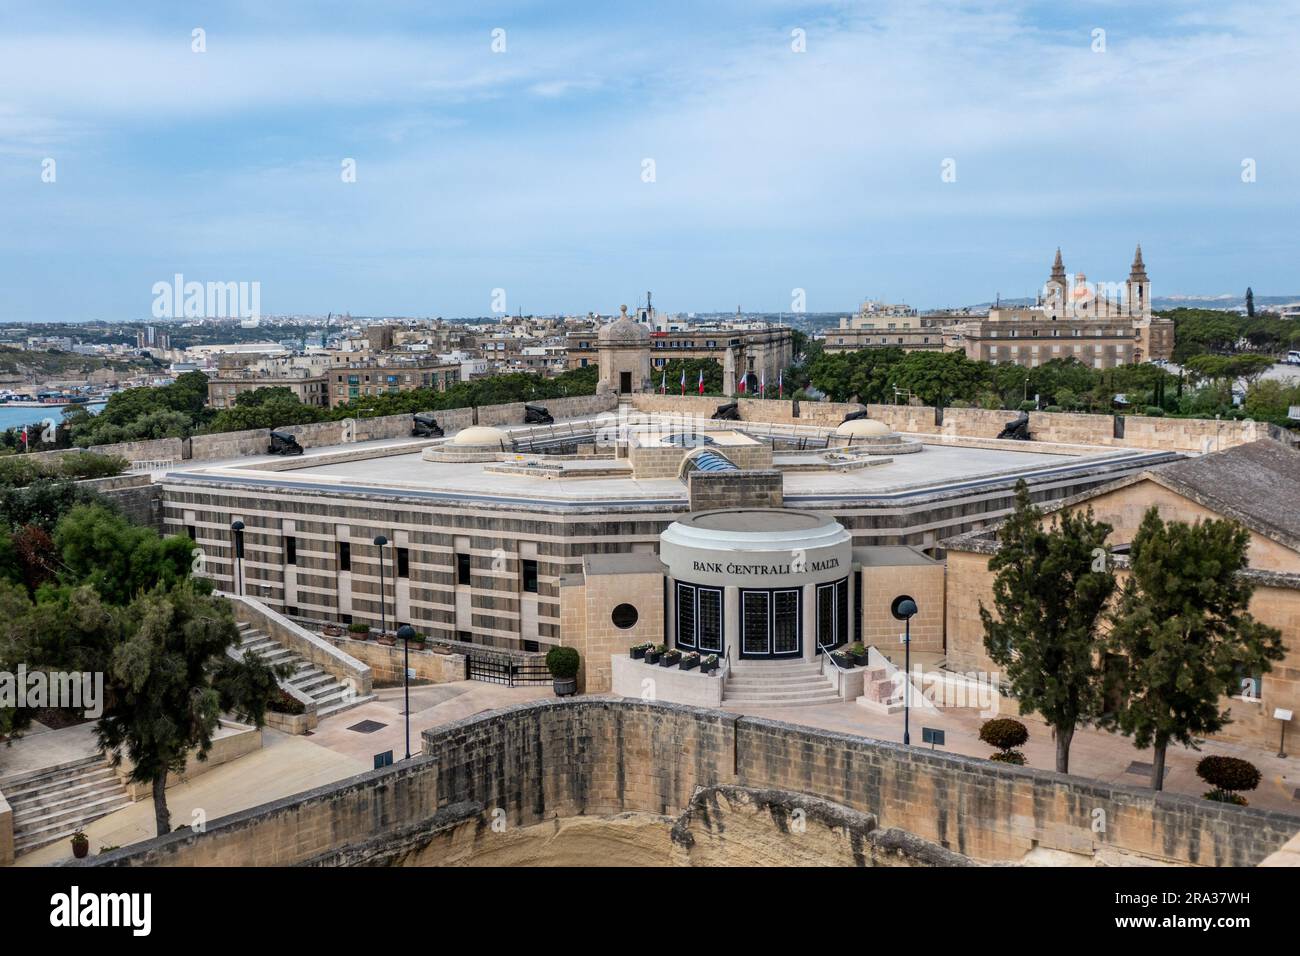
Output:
[[758, 584]]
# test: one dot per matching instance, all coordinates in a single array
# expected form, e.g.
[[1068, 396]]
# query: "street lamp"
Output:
[[237, 529], [406, 632], [380, 541], [903, 609]]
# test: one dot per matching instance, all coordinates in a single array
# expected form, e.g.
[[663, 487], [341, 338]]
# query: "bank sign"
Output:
[[798, 564], [757, 569]]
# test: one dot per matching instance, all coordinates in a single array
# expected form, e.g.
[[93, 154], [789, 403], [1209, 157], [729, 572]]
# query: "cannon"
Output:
[[1018, 428], [855, 416], [424, 425], [537, 415], [282, 443], [727, 413]]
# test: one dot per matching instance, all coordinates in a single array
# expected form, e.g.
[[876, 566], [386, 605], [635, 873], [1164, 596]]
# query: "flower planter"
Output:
[[80, 845], [637, 653], [687, 665], [669, 659], [565, 686], [708, 668], [387, 640], [860, 660], [652, 657]]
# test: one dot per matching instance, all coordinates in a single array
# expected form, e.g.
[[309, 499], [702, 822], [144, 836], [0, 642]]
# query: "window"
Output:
[[528, 568], [345, 556], [290, 549], [192, 532], [403, 562], [624, 616], [290, 610], [462, 569], [699, 618], [769, 623], [832, 613], [465, 636], [532, 646]]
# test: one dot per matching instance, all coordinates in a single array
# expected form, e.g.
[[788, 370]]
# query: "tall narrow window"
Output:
[[462, 569], [403, 562], [528, 569], [710, 620], [685, 615], [345, 556], [290, 549]]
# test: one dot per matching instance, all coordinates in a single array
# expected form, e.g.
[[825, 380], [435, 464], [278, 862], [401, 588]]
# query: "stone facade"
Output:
[[587, 603], [735, 489], [645, 757]]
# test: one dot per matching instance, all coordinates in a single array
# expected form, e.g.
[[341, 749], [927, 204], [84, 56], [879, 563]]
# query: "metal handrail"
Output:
[[826, 652]]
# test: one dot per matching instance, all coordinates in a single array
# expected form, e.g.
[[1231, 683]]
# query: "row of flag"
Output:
[[740, 383]]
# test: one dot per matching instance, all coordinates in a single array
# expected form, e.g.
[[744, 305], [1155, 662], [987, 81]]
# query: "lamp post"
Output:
[[237, 529], [406, 632], [903, 609], [380, 542]]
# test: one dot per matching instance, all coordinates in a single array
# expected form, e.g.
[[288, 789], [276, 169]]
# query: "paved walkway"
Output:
[[1093, 753]]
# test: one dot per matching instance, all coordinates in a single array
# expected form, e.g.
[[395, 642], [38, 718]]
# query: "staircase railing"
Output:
[[826, 653]]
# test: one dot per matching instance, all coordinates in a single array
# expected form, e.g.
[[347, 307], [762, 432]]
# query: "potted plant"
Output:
[[359, 630], [670, 657], [80, 844], [842, 658], [653, 654], [1007, 735], [563, 663], [690, 659], [638, 651], [858, 652], [332, 630], [708, 663], [387, 639], [1228, 775]]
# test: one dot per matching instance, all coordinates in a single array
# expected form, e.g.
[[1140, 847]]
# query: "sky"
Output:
[[564, 158]]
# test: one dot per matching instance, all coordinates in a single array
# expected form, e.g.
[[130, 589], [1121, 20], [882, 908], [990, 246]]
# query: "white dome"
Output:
[[863, 428], [479, 435]]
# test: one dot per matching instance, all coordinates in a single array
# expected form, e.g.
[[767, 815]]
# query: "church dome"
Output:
[[863, 428], [623, 331], [479, 435]]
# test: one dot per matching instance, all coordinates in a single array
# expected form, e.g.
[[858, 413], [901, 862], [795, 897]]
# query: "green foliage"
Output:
[[41, 503], [1182, 634], [266, 408], [118, 559], [1049, 592], [137, 414], [1004, 733], [562, 662], [19, 471], [1228, 773]]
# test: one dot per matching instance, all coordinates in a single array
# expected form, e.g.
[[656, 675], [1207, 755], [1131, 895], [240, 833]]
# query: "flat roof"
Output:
[[396, 466]]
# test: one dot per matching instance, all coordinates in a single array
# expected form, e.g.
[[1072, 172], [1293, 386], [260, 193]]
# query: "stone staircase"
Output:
[[331, 695], [777, 684], [55, 802]]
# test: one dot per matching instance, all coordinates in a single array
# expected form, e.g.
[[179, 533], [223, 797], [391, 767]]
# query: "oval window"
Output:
[[624, 616]]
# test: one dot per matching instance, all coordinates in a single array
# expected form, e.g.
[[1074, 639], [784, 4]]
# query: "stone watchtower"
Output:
[[624, 347]]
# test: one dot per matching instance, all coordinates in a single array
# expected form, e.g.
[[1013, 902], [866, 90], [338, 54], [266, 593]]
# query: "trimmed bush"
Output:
[[1009, 756], [1154, 411], [285, 703], [1228, 775], [562, 662], [1004, 733], [359, 627]]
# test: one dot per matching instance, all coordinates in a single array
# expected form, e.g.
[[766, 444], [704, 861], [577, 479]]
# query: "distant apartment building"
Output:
[[886, 325], [388, 375], [1099, 325], [152, 337], [226, 384]]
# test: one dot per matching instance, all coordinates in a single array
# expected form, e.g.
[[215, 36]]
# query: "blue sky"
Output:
[[523, 170]]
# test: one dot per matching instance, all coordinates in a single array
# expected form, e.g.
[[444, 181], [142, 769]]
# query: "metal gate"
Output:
[[504, 669]]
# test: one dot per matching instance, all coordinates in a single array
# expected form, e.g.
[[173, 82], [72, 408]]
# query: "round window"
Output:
[[624, 616]]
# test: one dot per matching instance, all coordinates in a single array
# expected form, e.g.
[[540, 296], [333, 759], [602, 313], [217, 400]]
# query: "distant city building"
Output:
[[388, 375]]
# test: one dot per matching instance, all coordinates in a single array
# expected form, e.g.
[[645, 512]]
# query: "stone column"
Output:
[[729, 372], [810, 623], [731, 622]]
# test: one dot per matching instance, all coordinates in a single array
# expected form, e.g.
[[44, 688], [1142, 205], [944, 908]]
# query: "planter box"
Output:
[[637, 653], [688, 664], [668, 660], [652, 657]]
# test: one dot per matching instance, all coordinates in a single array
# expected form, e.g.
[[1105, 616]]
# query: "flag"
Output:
[[742, 384], [663, 384], [701, 385], [24, 436], [683, 379], [762, 384], [780, 383]]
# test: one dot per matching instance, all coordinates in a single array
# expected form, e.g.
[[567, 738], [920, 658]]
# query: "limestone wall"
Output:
[[386, 661], [880, 585], [646, 757], [735, 489]]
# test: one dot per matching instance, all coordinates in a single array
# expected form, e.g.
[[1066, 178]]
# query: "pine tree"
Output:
[[1183, 635], [1050, 591], [1250, 302]]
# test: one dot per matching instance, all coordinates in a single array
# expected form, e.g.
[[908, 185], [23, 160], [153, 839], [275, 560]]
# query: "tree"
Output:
[[939, 377], [1182, 633], [169, 679], [1050, 592], [1250, 302], [118, 559]]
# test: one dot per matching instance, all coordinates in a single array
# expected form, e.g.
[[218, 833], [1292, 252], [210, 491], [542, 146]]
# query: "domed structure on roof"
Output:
[[623, 331], [479, 435], [863, 428]]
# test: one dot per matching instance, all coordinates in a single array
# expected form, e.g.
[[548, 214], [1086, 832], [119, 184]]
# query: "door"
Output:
[[625, 382], [770, 624]]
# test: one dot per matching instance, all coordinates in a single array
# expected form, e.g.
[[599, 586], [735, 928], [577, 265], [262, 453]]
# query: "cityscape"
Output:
[[964, 535]]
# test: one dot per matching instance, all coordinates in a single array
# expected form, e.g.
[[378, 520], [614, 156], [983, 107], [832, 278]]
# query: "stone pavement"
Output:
[[1093, 753]]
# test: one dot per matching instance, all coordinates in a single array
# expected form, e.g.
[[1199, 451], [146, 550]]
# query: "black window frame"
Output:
[[770, 596], [403, 562], [345, 555], [464, 568], [840, 624], [688, 600], [290, 549], [528, 582]]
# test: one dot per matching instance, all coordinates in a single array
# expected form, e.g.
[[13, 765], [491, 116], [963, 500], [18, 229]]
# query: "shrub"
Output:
[[562, 662], [1053, 408], [1029, 406], [285, 703], [1009, 756], [1154, 411], [1005, 734], [1226, 775], [359, 627]]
